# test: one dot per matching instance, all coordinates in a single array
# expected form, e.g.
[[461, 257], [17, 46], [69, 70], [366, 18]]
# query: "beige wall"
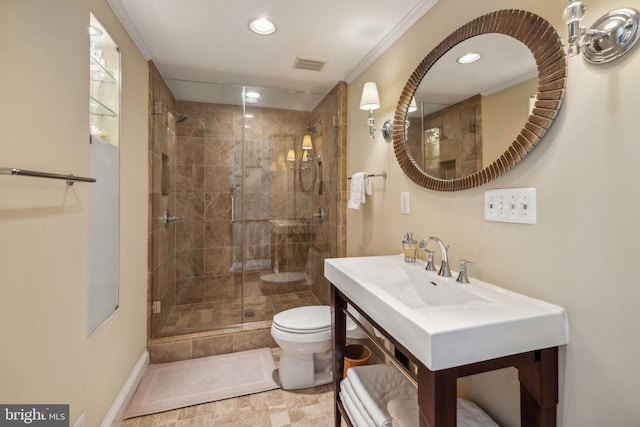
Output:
[[503, 115], [44, 81], [581, 254]]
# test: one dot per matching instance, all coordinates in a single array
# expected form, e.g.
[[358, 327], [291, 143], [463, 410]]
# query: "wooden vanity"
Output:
[[437, 390]]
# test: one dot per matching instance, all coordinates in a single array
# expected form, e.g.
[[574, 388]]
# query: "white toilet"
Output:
[[304, 335]]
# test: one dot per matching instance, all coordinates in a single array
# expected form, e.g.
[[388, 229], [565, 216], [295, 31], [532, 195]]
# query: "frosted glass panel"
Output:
[[104, 123]]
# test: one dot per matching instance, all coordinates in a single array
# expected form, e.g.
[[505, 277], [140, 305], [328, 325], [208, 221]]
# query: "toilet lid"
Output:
[[305, 320]]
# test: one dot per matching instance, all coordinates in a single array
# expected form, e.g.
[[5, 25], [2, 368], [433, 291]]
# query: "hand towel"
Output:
[[347, 389], [405, 414], [360, 186], [376, 385]]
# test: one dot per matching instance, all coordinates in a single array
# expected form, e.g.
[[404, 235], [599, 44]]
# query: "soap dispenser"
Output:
[[409, 248]]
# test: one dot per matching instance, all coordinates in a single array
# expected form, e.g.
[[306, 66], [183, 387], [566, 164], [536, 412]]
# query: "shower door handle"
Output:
[[233, 208]]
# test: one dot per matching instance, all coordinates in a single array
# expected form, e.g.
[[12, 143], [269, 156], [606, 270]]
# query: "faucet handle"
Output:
[[430, 266], [462, 276]]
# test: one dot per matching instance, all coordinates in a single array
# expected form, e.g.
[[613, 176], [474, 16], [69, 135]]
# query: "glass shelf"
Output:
[[100, 73], [97, 108]]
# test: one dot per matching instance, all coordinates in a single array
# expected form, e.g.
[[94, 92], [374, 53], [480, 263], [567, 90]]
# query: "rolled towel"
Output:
[[346, 388], [360, 187], [405, 413], [375, 386], [354, 415]]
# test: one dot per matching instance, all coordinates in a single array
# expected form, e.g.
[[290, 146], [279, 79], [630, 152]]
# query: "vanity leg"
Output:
[[338, 338], [437, 397], [539, 389]]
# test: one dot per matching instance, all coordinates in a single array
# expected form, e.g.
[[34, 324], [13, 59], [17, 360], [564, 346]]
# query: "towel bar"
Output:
[[69, 178], [371, 175]]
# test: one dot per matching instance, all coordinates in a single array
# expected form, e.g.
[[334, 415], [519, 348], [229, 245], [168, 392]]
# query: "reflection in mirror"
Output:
[[468, 114], [471, 128]]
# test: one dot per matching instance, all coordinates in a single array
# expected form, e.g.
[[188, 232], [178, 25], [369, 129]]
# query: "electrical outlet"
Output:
[[511, 205]]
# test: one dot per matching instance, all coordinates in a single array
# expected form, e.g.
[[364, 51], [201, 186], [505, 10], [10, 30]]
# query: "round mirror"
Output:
[[459, 125]]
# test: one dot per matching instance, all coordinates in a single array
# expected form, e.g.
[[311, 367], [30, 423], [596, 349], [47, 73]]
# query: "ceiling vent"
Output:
[[308, 64]]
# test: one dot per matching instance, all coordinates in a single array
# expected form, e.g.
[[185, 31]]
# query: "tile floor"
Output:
[[208, 315], [312, 407]]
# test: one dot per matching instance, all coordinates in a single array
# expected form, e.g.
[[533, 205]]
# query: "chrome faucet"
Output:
[[444, 267]]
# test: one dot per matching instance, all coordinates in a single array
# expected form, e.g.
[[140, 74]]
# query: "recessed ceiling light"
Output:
[[250, 100], [95, 31], [262, 26], [252, 94], [469, 58], [248, 116]]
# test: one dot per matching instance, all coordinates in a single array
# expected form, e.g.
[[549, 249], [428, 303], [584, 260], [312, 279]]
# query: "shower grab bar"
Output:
[[371, 175], [69, 178], [233, 208]]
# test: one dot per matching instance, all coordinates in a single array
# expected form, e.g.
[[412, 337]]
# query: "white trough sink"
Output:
[[441, 322]]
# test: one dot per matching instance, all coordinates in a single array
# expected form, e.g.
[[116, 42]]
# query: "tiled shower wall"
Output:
[[198, 253], [331, 142], [209, 178], [162, 254]]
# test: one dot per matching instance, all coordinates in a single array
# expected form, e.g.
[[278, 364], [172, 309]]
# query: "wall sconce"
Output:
[[291, 156], [370, 101], [308, 151], [306, 143], [610, 37]]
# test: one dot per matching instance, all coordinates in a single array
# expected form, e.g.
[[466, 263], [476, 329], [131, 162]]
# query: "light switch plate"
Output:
[[511, 205], [405, 205]]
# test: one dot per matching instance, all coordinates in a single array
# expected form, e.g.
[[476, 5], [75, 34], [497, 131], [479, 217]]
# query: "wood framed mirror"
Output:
[[547, 58]]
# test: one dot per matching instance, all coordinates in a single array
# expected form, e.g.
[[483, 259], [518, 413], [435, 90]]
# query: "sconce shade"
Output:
[[370, 99], [413, 106], [291, 156], [306, 143]]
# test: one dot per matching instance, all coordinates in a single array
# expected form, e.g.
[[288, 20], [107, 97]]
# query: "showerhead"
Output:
[[313, 126], [179, 117]]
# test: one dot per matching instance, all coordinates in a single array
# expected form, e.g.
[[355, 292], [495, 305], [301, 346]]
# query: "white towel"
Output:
[[354, 415], [405, 413], [347, 389], [376, 385], [360, 187]]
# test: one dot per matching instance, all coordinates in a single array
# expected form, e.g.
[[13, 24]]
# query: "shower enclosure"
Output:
[[246, 245]]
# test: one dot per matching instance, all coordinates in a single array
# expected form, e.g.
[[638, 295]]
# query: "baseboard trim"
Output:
[[117, 411]]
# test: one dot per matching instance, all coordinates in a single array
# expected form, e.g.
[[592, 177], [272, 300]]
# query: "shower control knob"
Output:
[[167, 218], [320, 215]]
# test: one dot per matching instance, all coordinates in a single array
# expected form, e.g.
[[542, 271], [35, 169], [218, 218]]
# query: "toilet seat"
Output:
[[304, 320]]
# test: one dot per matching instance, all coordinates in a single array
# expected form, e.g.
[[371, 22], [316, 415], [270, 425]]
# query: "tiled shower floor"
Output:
[[210, 315]]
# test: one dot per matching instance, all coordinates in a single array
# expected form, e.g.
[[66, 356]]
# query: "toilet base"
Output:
[[305, 370]]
